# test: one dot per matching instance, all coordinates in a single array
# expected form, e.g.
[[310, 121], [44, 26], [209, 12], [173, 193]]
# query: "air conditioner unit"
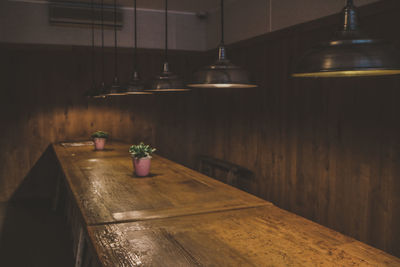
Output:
[[80, 14]]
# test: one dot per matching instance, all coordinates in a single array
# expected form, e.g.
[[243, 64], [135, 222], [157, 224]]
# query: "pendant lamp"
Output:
[[115, 88], [350, 53], [136, 84], [93, 91], [222, 73], [103, 89], [167, 81]]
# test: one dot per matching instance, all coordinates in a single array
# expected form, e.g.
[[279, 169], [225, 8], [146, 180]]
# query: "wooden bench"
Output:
[[226, 172]]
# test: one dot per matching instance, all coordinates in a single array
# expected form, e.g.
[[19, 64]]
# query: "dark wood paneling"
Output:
[[325, 149], [41, 102], [328, 150]]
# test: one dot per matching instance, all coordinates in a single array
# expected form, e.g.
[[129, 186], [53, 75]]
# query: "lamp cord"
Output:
[[102, 39], [350, 19], [93, 53], [221, 48], [135, 36], [166, 30], [222, 23], [350, 3], [115, 40]]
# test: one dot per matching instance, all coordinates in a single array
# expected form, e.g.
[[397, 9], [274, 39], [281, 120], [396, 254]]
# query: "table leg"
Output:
[[79, 249]]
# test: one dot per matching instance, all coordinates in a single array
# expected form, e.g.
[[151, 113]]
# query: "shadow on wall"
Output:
[[28, 134], [47, 104], [40, 182]]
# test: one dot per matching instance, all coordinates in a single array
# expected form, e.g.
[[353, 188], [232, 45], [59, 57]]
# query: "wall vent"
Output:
[[80, 14]]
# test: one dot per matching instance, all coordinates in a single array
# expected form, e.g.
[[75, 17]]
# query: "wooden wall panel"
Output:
[[42, 102], [325, 149], [328, 150]]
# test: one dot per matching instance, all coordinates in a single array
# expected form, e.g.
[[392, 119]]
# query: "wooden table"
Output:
[[264, 236], [179, 217], [107, 191]]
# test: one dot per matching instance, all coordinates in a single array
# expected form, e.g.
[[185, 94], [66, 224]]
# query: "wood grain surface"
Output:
[[106, 190], [327, 150], [265, 236], [43, 103]]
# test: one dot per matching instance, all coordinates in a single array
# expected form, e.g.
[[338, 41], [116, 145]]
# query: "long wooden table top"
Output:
[[107, 191], [263, 236], [179, 217]]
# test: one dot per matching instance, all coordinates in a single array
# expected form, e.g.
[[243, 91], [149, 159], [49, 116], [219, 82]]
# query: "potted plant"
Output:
[[99, 139], [141, 157]]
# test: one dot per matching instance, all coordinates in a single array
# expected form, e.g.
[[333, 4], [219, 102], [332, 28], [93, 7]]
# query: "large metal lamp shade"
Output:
[[136, 85], [221, 74], [167, 81], [350, 53]]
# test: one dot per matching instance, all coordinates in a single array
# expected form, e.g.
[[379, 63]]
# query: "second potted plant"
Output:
[[141, 157], [99, 139]]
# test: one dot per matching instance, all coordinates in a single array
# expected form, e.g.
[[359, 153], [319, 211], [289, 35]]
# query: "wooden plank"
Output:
[[264, 236], [106, 190], [338, 166], [53, 107], [325, 149]]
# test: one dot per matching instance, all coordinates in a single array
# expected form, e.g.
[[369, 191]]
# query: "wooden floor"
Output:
[[32, 235]]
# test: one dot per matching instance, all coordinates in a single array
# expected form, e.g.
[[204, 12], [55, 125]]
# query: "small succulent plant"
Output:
[[100, 134], [141, 151]]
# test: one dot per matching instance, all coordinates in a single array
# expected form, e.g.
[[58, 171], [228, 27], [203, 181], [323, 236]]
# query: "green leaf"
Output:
[[100, 134], [141, 150]]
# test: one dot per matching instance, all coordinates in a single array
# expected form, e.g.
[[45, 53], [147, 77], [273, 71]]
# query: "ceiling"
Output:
[[177, 5]]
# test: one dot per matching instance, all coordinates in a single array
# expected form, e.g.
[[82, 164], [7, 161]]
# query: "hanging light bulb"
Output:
[[222, 73], [136, 84], [350, 53], [115, 88], [167, 81]]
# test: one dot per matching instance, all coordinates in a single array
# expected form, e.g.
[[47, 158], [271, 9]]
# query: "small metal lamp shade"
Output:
[[349, 54], [95, 92], [91, 92], [167, 82], [102, 91], [115, 89], [221, 74], [136, 86]]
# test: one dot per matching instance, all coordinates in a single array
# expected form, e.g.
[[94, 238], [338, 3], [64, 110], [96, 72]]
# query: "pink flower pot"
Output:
[[99, 143], [142, 166]]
